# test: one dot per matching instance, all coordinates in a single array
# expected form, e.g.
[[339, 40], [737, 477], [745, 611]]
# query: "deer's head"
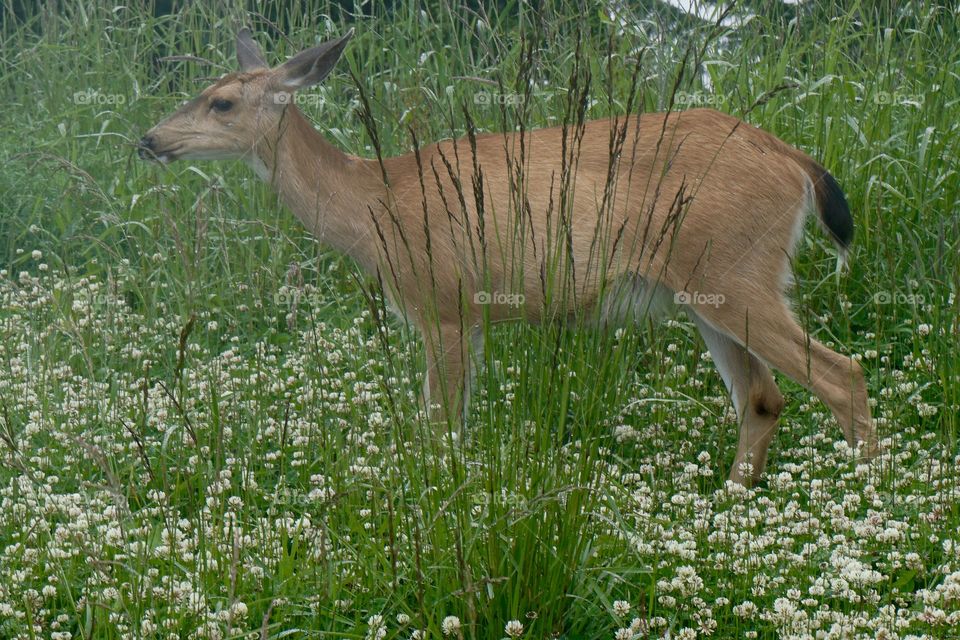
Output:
[[242, 109]]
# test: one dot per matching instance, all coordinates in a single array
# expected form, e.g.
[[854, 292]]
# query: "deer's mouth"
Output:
[[147, 150], [163, 156]]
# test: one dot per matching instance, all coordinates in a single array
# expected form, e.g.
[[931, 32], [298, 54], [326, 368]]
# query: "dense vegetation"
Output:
[[207, 429]]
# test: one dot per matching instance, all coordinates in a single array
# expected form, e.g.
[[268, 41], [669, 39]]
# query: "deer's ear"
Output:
[[311, 66], [249, 54]]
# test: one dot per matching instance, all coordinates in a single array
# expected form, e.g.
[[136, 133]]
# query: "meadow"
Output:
[[210, 429]]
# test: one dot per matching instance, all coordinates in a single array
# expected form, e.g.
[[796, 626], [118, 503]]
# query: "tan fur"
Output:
[[700, 202]]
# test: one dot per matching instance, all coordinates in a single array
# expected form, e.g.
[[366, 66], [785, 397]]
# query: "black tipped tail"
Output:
[[833, 207]]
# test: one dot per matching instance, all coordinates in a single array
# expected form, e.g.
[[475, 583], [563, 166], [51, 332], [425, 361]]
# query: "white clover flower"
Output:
[[377, 629], [238, 611], [925, 410], [147, 627], [621, 608], [450, 625], [514, 629]]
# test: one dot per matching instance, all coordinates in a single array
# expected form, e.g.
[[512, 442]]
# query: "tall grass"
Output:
[[207, 424]]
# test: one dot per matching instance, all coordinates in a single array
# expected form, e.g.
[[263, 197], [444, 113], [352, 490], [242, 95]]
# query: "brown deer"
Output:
[[612, 217]]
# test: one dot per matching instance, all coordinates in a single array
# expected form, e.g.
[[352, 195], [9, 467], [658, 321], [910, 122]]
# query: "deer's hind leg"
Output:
[[755, 396], [770, 332]]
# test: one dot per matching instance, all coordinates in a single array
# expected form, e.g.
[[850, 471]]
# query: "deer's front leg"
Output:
[[443, 388]]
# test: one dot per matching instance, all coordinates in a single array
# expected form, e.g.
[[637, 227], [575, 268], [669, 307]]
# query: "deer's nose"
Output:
[[145, 149]]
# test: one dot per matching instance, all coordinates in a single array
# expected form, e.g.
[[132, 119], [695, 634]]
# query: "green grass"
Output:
[[183, 453]]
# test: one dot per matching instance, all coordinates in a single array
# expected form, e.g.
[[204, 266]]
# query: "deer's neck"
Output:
[[331, 192]]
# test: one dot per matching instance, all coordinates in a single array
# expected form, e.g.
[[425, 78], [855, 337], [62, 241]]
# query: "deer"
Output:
[[695, 209]]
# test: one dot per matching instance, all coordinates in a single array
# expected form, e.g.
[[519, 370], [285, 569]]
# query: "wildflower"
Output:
[[238, 611], [621, 608], [451, 625], [377, 629], [746, 609], [639, 626], [514, 629]]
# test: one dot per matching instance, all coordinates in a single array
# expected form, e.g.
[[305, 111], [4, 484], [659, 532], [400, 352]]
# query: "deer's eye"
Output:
[[221, 105]]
